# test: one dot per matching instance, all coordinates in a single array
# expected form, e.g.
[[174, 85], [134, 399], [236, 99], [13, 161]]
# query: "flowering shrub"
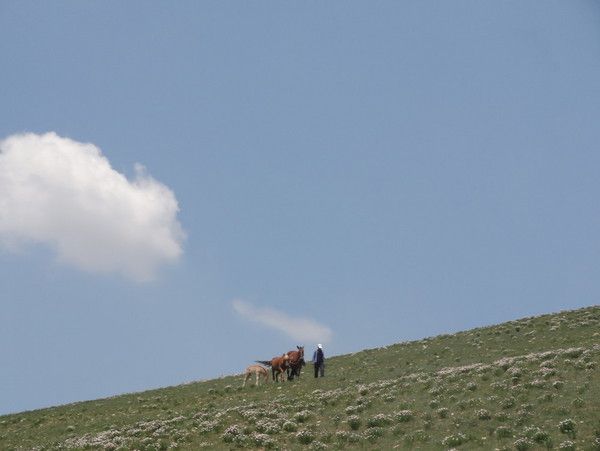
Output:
[[378, 420], [201, 416], [567, 445], [205, 427], [547, 373], [435, 391], [362, 403], [537, 435], [573, 353], [515, 372], [354, 422], [290, 426], [262, 440], [305, 437], [353, 437], [443, 412], [374, 433], [345, 436], [523, 416], [404, 416], [328, 397], [267, 426], [454, 440], [231, 433], [302, 416], [567, 426], [351, 410], [342, 436], [523, 444], [498, 386], [508, 403], [483, 414], [537, 383]]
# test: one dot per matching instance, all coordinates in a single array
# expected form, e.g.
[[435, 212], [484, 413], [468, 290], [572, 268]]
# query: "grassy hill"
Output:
[[533, 383]]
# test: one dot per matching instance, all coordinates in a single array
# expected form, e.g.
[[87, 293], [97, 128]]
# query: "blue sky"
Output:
[[363, 173]]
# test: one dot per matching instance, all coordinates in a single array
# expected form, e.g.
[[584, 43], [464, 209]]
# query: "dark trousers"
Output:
[[319, 369]]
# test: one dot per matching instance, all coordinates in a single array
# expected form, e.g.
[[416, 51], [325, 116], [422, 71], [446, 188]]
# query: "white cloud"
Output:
[[66, 195], [303, 330]]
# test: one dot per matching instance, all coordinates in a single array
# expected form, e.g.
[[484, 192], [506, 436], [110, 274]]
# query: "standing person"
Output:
[[319, 361]]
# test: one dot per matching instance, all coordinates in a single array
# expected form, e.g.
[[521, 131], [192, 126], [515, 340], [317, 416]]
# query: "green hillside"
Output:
[[533, 383]]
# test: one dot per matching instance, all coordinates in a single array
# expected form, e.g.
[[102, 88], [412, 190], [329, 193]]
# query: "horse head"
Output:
[[300, 352]]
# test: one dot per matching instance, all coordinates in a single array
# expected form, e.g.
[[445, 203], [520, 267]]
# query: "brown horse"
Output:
[[296, 362], [259, 371], [278, 365]]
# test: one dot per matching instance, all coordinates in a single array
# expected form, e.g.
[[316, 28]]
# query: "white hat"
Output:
[[320, 346]]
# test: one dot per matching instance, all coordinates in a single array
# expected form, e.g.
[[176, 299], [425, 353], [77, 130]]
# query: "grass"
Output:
[[533, 383]]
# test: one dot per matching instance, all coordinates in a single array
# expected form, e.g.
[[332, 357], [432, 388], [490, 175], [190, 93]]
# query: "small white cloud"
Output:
[[65, 194], [303, 330]]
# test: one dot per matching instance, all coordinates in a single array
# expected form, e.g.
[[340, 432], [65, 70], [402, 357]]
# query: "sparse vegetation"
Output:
[[526, 384]]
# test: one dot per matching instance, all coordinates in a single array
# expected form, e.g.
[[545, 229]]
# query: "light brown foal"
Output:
[[259, 371]]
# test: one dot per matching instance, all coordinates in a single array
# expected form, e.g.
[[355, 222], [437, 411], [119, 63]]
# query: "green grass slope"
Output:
[[533, 383]]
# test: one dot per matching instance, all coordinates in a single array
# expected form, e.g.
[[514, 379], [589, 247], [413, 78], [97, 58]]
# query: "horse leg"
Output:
[[246, 377], [256, 384]]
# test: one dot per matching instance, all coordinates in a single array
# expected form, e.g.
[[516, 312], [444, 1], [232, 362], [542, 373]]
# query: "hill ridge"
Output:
[[530, 383]]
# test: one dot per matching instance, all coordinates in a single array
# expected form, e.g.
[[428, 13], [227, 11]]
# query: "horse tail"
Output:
[[264, 362]]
